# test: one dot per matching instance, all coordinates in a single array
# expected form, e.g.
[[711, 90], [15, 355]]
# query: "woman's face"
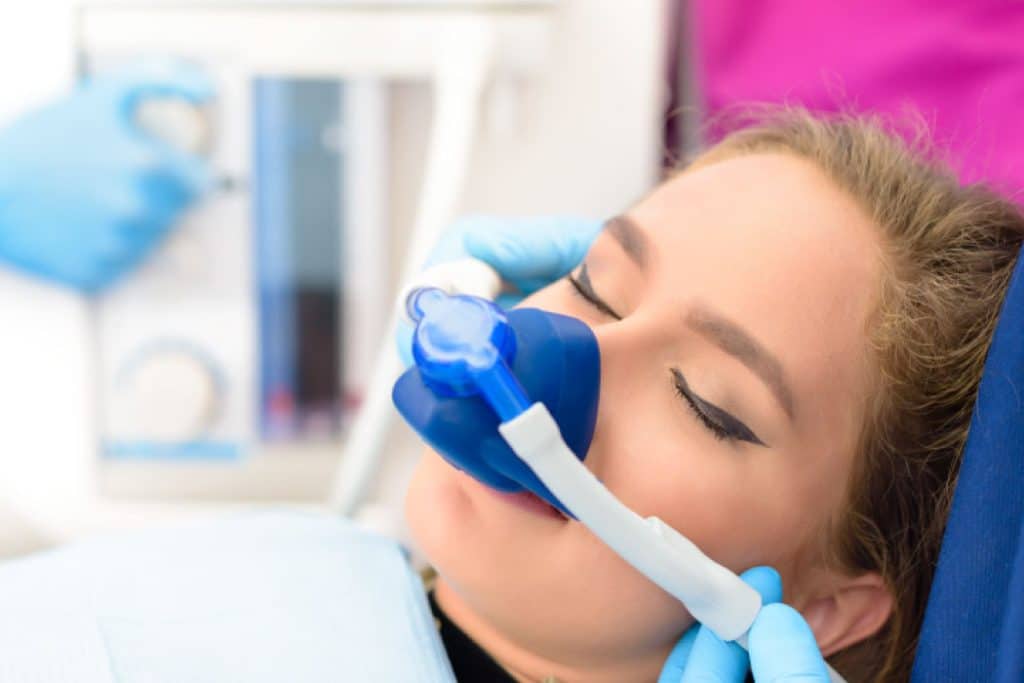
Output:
[[730, 307]]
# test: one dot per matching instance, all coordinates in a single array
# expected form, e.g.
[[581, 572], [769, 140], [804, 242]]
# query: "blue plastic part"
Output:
[[553, 359], [463, 345]]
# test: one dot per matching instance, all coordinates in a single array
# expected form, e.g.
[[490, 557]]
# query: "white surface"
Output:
[[168, 395], [46, 429], [315, 40], [180, 123], [365, 235], [373, 4], [36, 60], [585, 138], [45, 419]]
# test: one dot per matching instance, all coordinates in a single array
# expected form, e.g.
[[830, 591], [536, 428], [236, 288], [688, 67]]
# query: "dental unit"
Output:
[[511, 399]]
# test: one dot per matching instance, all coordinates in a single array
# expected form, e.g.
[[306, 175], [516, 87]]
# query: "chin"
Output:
[[436, 506], [547, 583], [474, 536]]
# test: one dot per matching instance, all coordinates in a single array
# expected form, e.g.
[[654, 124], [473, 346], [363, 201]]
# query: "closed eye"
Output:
[[721, 424], [581, 283]]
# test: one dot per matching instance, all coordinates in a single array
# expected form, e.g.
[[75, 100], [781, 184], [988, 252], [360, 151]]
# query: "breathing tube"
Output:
[[511, 398]]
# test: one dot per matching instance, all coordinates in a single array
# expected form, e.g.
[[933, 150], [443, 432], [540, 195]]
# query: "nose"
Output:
[[629, 350]]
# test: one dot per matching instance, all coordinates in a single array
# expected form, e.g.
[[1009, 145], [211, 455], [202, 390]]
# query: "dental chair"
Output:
[[974, 623], [289, 596]]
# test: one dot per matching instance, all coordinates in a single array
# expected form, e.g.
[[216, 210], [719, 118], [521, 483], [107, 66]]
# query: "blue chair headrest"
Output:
[[974, 624]]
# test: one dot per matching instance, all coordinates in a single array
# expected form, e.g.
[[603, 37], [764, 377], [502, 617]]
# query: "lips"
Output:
[[530, 503]]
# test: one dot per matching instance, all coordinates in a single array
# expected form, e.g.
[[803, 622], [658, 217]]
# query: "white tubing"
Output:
[[714, 595]]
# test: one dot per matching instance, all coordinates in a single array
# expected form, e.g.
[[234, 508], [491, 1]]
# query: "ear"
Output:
[[847, 611]]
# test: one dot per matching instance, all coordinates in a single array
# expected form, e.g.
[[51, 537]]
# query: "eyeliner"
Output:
[[586, 289]]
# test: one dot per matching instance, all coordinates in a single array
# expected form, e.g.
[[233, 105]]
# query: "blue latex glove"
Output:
[[782, 646], [84, 194], [528, 253]]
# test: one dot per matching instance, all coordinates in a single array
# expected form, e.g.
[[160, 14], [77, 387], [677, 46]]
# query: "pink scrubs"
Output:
[[960, 64]]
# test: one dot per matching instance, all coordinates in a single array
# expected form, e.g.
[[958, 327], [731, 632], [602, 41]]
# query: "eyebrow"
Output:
[[736, 342], [724, 333], [630, 237]]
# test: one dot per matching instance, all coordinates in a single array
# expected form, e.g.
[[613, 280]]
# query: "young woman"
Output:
[[792, 333]]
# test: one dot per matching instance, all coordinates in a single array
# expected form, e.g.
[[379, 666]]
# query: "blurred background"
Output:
[[228, 369]]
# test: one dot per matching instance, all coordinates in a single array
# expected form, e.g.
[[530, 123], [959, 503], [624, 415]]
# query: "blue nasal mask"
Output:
[[478, 366]]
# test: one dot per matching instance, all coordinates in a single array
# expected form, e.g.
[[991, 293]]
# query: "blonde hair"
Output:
[[948, 253]]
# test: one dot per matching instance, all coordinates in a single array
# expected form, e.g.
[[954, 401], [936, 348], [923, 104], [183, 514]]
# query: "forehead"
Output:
[[771, 198], [773, 244]]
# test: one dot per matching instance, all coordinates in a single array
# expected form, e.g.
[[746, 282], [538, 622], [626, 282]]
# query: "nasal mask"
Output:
[[511, 399]]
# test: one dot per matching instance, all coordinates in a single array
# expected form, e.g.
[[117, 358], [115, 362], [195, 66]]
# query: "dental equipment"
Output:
[[226, 291], [466, 347]]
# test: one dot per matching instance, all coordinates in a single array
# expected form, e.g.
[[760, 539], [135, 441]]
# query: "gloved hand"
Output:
[[85, 194], [782, 646], [528, 253]]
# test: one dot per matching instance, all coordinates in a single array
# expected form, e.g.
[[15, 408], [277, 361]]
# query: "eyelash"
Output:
[[585, 293], [716, 429]]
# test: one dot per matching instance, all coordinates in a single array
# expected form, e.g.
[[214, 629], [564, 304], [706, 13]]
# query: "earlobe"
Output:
[[853, 610]]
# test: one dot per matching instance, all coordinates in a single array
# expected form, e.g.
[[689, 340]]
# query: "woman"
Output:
[[792, 333]]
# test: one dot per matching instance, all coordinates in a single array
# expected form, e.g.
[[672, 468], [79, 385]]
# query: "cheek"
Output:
[[741, 509], [434, 505]]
